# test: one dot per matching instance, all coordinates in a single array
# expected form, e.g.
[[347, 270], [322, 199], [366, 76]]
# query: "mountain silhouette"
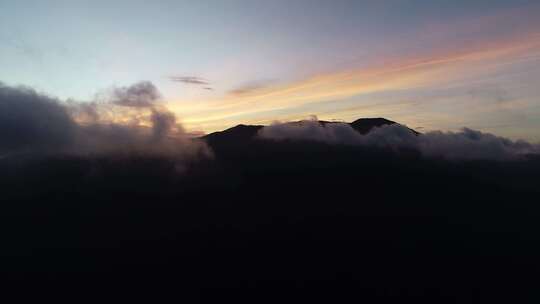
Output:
[[242, 134], [297, 220], [364, 125]]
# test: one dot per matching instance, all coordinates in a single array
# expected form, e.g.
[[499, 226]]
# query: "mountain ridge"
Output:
[[248, 132]]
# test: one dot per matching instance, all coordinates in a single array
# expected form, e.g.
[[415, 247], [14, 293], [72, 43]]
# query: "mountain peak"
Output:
[[242, 133], [364, 125], [239, 132]]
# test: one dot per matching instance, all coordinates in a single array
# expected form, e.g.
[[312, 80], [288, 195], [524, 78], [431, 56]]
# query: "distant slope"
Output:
[[237, 134], [364, 125]]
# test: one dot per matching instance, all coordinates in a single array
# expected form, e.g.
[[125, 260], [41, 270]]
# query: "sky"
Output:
[[432, 65]]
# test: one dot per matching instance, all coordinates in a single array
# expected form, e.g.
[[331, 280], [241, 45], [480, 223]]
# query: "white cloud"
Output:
[[464, 145]]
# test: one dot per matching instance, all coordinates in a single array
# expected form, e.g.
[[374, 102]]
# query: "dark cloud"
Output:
[[190, 80], [163, 122], [464, 145], [32, 123], [142, 94]]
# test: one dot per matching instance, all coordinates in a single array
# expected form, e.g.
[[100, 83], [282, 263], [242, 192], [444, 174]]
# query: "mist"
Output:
[[466, 144]]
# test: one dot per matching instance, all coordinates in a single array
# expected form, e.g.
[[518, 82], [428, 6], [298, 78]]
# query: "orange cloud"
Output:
[[443, 68]]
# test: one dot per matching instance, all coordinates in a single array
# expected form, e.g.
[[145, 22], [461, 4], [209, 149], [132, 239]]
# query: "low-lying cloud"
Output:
[[29, 120], [467, 144], [124, 121]]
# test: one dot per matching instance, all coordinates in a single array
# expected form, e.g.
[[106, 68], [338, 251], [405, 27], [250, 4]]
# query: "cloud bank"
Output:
[[464, 145], [125, 121]]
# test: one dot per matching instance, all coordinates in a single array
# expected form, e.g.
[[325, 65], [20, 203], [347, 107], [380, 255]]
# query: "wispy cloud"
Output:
[[190, 80], [250, 87], [450, 67]]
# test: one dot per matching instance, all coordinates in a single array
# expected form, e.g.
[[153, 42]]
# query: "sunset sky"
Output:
[[432, 65]]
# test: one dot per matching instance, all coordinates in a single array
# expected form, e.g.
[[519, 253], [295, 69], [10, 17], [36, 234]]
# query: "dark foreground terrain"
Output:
[[272, 222]]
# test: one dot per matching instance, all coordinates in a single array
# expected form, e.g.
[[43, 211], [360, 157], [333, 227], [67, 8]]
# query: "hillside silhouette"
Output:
[[274, 221]]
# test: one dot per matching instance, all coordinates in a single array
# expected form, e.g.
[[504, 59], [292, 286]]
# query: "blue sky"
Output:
[[75, 49]]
